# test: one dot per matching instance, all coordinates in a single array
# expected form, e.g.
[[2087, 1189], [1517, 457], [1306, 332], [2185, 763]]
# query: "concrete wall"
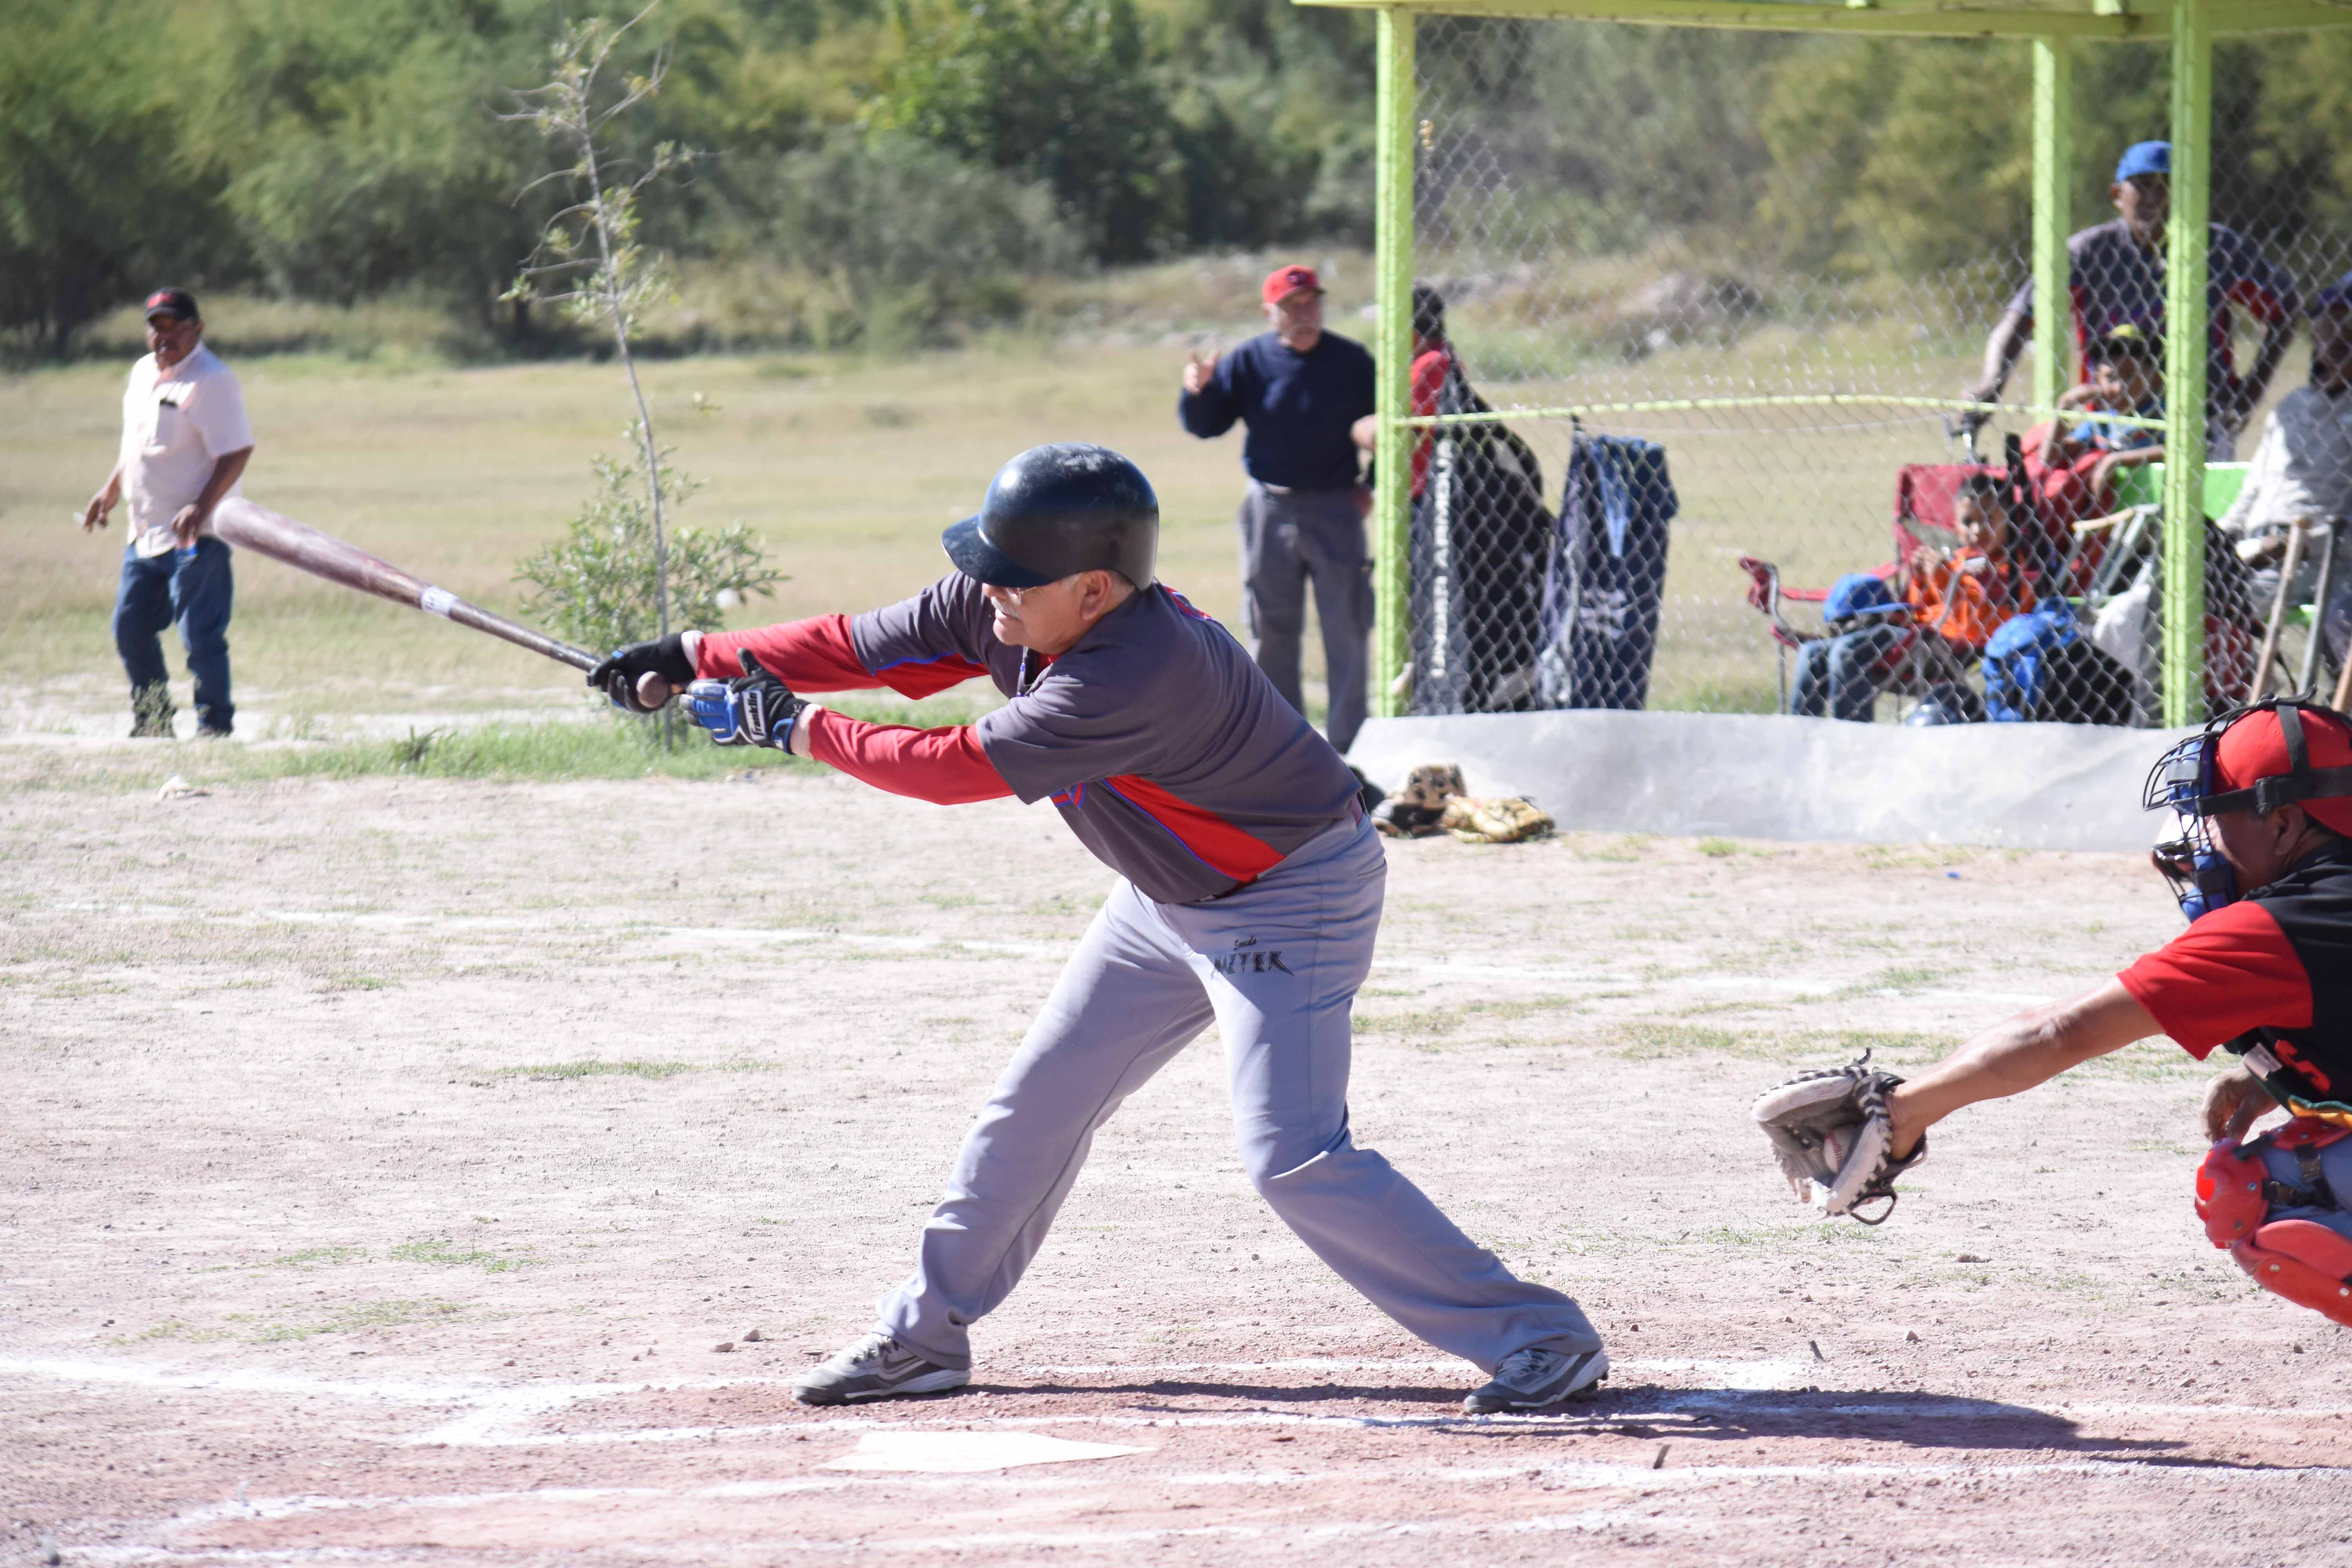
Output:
[[2030, 787]]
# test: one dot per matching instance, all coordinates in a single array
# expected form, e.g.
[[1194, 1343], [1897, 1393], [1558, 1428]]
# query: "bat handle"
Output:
[[652, 690]]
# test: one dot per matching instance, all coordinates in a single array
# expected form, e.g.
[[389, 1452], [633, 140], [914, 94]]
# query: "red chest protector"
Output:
[[2305, 1262]]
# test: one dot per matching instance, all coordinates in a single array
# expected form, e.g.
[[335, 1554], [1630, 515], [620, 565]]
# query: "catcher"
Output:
[[2260, 857]]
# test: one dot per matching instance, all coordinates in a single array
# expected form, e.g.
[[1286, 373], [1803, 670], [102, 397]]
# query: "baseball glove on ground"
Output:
[[1830, 1132], [1504, 821], [1413, 811]]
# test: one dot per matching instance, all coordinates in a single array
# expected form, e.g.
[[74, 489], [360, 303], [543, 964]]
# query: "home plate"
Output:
[[962, 1453]]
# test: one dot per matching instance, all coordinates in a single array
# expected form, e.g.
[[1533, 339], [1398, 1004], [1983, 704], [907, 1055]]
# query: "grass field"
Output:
[[848, 468]]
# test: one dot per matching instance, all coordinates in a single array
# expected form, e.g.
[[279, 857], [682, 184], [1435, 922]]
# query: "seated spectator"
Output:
[[2126, 378], [2070, 462], [1960, 597], [2303, 469]]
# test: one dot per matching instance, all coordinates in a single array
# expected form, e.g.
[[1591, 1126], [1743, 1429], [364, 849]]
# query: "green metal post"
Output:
[[2186, 328], [2054, 170], [1393, 349]]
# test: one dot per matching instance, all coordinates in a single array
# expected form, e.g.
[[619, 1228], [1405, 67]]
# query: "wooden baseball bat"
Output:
[[245, 526]]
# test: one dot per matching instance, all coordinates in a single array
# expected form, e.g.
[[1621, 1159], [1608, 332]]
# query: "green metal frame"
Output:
[[2053, 26], [2054, 218], [2184, 364], [1392, 350]]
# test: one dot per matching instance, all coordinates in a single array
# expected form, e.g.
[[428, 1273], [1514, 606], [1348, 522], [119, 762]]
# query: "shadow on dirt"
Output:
[[1683, 1415]]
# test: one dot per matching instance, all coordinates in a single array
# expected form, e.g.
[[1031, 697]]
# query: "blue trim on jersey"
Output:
[[933, 659], [1185, 605], [1075, 797]]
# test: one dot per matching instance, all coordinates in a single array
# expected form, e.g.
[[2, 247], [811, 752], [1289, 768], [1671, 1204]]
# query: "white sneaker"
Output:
[[1533, 1378], [877, 1367]]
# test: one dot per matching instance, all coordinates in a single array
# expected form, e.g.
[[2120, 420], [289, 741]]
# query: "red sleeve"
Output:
[[813, 654], [944, 766], [2231, 972], [2260, 302], [1428, 378], [1428, 381], [817, 654]]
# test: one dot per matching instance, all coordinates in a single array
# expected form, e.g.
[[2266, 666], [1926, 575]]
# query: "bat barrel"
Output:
[[247, 526]]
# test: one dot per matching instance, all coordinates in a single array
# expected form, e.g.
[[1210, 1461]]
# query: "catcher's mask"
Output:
[[2189, 782]]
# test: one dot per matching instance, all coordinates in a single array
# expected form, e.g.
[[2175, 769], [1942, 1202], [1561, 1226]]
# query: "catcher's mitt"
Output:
[[1830, 1132]]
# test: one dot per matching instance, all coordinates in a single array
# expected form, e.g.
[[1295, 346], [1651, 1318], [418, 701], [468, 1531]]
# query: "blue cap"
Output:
[[1860, 593], [2144, 158], [2335, 297]]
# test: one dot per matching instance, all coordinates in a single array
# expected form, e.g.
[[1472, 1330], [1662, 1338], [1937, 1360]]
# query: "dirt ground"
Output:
[[390, 1165]]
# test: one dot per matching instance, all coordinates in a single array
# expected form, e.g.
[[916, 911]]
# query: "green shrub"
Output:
[[596, 586], [889, 242]]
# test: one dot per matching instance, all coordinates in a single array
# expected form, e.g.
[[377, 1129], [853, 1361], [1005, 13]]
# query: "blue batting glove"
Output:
[[713, 707], [758, 709]]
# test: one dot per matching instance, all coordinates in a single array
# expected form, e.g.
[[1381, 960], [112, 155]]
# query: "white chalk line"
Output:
[[1576, 1475], [1802, 987], [505, 1416], [959, 1545], [1588, 1474]]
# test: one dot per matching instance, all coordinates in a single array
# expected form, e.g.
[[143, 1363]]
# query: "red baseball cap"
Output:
[[2254, 748], [177, 303], [1283, 281]]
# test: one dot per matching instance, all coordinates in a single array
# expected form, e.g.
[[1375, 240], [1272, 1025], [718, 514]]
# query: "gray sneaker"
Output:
[[1533, 1378], [877, 1367]]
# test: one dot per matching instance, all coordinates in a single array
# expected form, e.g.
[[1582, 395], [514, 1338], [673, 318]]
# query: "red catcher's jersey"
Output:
[[2270, 978]]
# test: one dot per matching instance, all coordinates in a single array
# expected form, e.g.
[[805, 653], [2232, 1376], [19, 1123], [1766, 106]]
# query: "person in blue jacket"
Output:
[[1298, 390]]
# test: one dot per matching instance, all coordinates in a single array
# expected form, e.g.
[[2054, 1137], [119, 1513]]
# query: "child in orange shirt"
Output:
[[1966, 595]]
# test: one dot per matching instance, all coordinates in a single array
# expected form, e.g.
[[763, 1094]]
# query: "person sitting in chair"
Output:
[[1961, 596], [2303, 469], [2126, 378]]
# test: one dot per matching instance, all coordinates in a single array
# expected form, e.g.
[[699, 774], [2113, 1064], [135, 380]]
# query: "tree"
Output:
[[907, 236], [97, 200], [591, 255], [353, 147], [1058, 91]]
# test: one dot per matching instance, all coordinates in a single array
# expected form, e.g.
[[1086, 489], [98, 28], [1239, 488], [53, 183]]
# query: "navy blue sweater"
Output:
[[1299, 409]]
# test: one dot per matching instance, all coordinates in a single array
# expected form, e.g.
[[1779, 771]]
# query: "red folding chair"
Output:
[[1924, 495]]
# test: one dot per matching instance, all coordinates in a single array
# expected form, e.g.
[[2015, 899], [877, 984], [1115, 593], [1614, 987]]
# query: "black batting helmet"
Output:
[[1057, 509]]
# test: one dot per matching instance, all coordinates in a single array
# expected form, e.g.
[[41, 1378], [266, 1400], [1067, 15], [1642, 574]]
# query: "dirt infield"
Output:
[[384, 1162]]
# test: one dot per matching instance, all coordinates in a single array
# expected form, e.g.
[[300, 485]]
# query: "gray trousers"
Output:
[[1290, 539], [1276, 966]]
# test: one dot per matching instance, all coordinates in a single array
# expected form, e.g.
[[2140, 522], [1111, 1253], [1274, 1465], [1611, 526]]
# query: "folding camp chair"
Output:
[[1925, 501], [2306, 538]]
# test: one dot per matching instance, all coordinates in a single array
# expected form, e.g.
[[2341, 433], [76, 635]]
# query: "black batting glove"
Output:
[[765, 704], [616, 676], [756, 710]]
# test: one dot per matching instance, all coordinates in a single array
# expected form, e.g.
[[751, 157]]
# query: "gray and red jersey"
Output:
[[2116, 281], [1171, 756]]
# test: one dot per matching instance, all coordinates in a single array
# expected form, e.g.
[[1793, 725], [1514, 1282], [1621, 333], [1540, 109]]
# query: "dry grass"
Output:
[[458, 474]]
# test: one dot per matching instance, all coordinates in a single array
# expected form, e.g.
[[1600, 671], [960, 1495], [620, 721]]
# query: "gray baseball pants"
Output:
[[1276, 966], [1291, 539]]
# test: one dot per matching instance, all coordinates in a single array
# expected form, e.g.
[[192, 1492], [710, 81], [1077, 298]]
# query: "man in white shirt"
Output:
[[184, 446], [2303, 469]]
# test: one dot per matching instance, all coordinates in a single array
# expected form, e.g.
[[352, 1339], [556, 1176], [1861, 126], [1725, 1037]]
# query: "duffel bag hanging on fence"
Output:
[[1607, 577]]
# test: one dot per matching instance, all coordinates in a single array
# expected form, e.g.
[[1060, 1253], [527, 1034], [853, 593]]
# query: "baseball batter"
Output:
[[1250, 895], [2260, 857]]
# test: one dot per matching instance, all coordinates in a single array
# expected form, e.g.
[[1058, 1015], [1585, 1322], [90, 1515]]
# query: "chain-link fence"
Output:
[[1731, 296]]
